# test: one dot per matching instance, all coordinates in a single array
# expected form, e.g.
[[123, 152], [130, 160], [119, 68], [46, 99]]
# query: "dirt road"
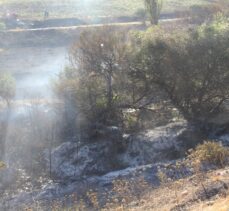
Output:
[[134, 23]]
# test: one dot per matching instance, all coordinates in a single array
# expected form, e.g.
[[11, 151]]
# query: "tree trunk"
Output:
[[155, 13], [154, 9], [109, 91]]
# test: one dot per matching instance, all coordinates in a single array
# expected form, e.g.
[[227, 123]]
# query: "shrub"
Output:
[[201, 13], [92, 86], [209, 153], [7, 87], [191, 68]]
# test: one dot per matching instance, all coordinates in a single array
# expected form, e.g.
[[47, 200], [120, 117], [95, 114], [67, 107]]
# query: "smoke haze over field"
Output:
[[33, 68]]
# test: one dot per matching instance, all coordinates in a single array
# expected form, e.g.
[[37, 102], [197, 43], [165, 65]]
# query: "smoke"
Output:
[[36, 83], [26, 123]]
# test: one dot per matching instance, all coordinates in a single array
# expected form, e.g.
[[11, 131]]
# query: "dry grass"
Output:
[[220, 205], [185, 194]]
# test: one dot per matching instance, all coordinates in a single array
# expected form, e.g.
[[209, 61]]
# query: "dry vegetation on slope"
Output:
[[183, 195], [203, 190]]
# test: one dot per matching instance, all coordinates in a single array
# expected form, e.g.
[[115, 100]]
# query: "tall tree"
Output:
[[99, 53], [92, 85], [154, 8]]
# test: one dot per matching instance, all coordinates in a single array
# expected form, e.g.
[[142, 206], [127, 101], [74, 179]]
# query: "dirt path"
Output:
[[135, 23]]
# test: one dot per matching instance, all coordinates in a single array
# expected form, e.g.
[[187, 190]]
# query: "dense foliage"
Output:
[[192, 68], [111, 72]]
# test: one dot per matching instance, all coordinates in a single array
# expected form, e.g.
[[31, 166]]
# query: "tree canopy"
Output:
[[192, 69], [154, 8], [113, 71]]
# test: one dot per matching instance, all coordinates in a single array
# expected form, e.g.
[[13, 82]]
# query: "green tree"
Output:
[[93, 83], [154, 8], [99, 53], [192, 69]]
